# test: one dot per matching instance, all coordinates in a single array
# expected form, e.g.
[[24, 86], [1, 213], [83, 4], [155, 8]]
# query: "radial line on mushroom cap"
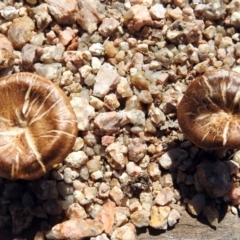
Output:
[[18, 115], [34, 149], [63, 114], [15, 166], [223, 91], [12, 132], [36, 118], [61, 132], [20, 122], [237, 96], [5, 119], [42, 104], [209, 127], [48, 136], [225, 132], [11, 147], [214, 104], [205, 135], [201, 117], [27, 98], [30, 107], [190, 114], [229, 83], [65, 120], [208, 85]]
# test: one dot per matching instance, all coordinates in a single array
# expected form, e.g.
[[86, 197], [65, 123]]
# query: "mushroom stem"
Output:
[[220, 153]]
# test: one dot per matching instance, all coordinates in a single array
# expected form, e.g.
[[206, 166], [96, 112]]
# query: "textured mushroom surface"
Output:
[[209, 112], [38, 126]]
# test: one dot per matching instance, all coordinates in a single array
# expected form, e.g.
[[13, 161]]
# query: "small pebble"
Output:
[[70, 229], [173, 158], [106, 216], [159, 217], [117, 195], [140, 218], [173, 217], [164, 197], [196, 204], [125, 232]]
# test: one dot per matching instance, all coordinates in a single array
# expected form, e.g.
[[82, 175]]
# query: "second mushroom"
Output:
[[209, 112]]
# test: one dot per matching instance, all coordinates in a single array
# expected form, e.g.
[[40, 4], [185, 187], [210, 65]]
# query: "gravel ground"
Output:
[[125, 66]]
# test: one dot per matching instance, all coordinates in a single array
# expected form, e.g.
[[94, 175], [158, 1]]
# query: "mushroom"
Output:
[[209, 112], [38, 126], [209, 116]]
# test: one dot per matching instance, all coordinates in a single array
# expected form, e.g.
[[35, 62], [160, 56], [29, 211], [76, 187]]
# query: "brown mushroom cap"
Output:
[[209, 112], [38, 126]]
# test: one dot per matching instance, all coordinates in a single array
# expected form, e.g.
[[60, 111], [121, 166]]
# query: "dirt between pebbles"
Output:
[[125, 65]]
